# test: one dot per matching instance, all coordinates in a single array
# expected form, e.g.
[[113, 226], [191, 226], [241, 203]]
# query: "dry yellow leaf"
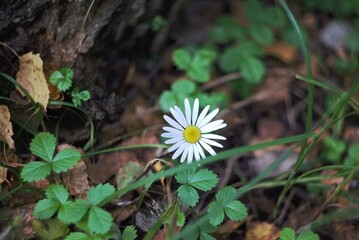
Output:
[[31, 77], [262, 231], [3, 173], [6, 127]]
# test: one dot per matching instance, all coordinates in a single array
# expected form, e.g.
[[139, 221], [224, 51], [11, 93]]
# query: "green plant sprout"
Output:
[[43, 146], [62, 79], [289, 234]]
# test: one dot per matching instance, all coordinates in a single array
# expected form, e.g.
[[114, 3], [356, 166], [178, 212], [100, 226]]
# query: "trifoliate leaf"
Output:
[[203, 180], [287, 234], [184, 177], [188, 195], [65, 160], [85, 95], [308, 235], [43, 145], [252, 69], [167, 100], [184, 86], [181, 58], [261, 33], [74, 211], [99, 220], [46, 208], [57, 192], [228, 60], [62, 79], [35, 171], [96, 194], [78, 236], [226, 29], [216, 213], [130, 233], [226, 193], [236, 211]]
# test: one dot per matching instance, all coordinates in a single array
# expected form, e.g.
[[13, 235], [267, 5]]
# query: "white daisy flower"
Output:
[[191, 132]]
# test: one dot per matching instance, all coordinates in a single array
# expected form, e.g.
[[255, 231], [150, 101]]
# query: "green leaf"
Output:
[[252, 69], [35, 171], [56, 229], [167, 100], [43, 145], [46, 208], [157, 23], [78, 236], [74, 211], [188, 195], [236, 211], [99, 220], [225, 193], [308, 235], [181, 58], [181, 218], [200, 66], [206, 236], [184, 177], [216, 213], [96, 194], [62, 79], [184, 86], [130, 233], [261, 33], [85, 95], [287, 234], [57, 192], [203, 180], [353, 153], [333, 149], [226, 29], [65, 160]]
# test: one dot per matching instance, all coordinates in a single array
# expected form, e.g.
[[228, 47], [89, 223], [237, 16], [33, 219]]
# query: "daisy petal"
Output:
[[202, 115], [178, 117], [176, 145], [213, 136], [214, 128], [211, 126], [190, 153], [211, 142], [173, 140], [179, 151], [200, 150], [208, 148], [179, 111], [171, 135], [196, 152], [208, 118], [185, 153], [187, 108], [195, 111], [173, 130], [172, 122]]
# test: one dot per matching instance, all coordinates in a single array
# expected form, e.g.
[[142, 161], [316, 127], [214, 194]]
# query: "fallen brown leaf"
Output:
[[6, 127], [32, 78], [283, 51], [262, 231], [3, 174]]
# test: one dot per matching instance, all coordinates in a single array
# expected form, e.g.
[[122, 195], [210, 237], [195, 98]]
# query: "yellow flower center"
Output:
[[192, 134]]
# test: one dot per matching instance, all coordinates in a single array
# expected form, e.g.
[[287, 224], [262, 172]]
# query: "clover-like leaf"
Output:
[[46, 208], [43, 145], [130, 233], [62, 79], [78, 236], [65, 160], [57, 192], [35, 171], [96, 194], [203, 180], [188, 195], [215, 209], [287, 234], [181, 58], [99, 220], [74, 211], [236, 211]]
